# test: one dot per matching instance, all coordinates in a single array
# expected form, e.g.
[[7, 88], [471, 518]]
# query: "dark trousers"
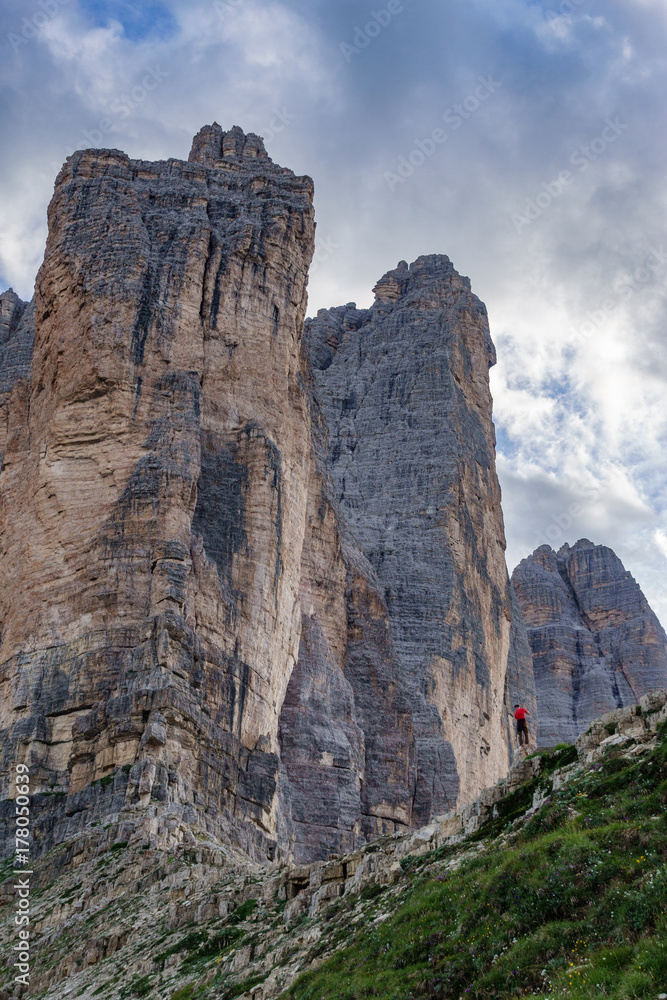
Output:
[[522, 732]]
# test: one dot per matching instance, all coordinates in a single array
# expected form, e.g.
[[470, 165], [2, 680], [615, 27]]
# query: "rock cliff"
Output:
[[404, 391], [205, 919], [254, 584], [153, 491], [597, 645]]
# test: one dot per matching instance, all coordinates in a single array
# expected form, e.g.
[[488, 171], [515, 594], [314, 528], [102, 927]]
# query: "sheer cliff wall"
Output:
[[404, 389], [201, 624], [597, 645], [153, 491]]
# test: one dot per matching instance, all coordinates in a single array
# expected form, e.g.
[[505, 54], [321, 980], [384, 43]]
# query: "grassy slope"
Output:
[[571, 904]]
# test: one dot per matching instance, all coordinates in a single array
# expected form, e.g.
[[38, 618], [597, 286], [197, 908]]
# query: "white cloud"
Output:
[[23, 223], [578, 398], [660, 538]]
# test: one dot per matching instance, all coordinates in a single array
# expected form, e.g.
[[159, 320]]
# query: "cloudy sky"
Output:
[[524, 139]]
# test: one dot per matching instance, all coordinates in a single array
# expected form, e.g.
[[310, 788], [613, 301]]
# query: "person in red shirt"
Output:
[[521, 724]]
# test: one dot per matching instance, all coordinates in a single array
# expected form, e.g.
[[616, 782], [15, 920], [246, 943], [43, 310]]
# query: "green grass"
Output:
[[240, 988], [242, 912], [185, 992], [372, 891], [573, 906], [213, 946], [142, 987], [69, 893], [199, 947]]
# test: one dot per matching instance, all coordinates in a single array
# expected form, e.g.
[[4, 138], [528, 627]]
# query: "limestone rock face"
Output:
[[404, 391], [254, 581], [153, 493], [597, 645], [17, 334]]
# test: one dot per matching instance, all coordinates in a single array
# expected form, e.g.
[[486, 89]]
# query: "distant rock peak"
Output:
[[16, 340], [11, 311], [596, 643]]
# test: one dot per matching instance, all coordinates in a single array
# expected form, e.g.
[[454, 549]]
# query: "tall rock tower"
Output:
[[153, 490], [596, 643], [253, 583], [404, 390]]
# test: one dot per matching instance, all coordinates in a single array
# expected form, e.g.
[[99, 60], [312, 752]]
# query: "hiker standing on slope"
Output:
[[520, 714]]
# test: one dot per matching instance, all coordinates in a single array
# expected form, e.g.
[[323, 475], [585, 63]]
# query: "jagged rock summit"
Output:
[[596, 643], [255, 584]]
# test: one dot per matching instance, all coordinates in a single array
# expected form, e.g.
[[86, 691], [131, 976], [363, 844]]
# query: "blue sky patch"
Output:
[[505, 444], [139, 20]]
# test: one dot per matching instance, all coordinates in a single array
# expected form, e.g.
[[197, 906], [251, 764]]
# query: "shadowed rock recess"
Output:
[[597, 645], [252, 586]]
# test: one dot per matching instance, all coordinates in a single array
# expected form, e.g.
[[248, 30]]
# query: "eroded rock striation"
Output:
[[410, 448], [153, 490], [254, 582], [597, 645]]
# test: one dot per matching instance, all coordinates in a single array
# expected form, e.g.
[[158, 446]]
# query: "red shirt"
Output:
[[520, 713]]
